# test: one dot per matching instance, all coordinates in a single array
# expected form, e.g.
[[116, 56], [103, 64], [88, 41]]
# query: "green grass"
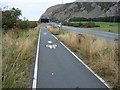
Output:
[[18, 55], [105, 26]]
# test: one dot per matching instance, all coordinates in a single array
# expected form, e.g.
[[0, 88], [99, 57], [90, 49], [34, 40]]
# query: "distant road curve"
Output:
[[100, 34]]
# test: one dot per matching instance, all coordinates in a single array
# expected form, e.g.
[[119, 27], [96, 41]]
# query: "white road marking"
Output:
[[49, 42], [55, 37], [51, 46], [47, 45], [52, 73], [84, 64], [36, 64], [45, 33], [55, 45]]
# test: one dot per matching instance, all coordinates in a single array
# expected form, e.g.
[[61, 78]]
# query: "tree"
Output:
[[10, 17]]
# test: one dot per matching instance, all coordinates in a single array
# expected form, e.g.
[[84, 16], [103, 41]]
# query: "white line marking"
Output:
[[36, 64], [84, 64], [55, 37]]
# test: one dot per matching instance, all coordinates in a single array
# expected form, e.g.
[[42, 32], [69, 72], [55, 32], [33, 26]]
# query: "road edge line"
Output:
[[103, 81], [34, 83]]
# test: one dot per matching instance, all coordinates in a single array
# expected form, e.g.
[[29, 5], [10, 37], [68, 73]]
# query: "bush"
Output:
[[90, 25], [86, 25], [26, 24], [97, 26], [77, 24], [10, 17], [23, 25], [32, 24], [67, 23], [72, 24]]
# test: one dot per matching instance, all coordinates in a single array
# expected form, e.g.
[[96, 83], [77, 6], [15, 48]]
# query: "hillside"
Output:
[[81, 9]]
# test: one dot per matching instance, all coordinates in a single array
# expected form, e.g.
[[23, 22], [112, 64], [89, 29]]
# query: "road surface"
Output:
[[58, 68], [99, 34]]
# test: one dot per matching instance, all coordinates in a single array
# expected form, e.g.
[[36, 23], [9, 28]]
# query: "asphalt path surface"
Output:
[[97, 33], [58, 68]]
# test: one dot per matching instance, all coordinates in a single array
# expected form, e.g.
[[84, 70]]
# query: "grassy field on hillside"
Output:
[[100, 55], [19, 47], [105, 26]]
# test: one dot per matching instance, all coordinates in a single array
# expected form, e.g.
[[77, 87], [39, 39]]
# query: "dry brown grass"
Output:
[[100, 55], [54, 31], [18, 55]]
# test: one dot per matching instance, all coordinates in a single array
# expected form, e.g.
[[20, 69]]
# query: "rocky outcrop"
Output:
[[81, 9]]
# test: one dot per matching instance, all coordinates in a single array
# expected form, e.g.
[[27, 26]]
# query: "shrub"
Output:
[[64, 23], [72, 24], [26, 24], [97, 26], [77, 24], [23, 24], [67, 23], [32, 24], [90, 25], [10, 17]]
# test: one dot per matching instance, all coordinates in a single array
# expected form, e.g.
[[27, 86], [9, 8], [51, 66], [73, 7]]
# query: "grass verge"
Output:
[[104, 26], [55, 31], [100, 55], [18, 55]]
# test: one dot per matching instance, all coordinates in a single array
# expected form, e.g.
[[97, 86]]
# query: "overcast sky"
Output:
[[32, 9]]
